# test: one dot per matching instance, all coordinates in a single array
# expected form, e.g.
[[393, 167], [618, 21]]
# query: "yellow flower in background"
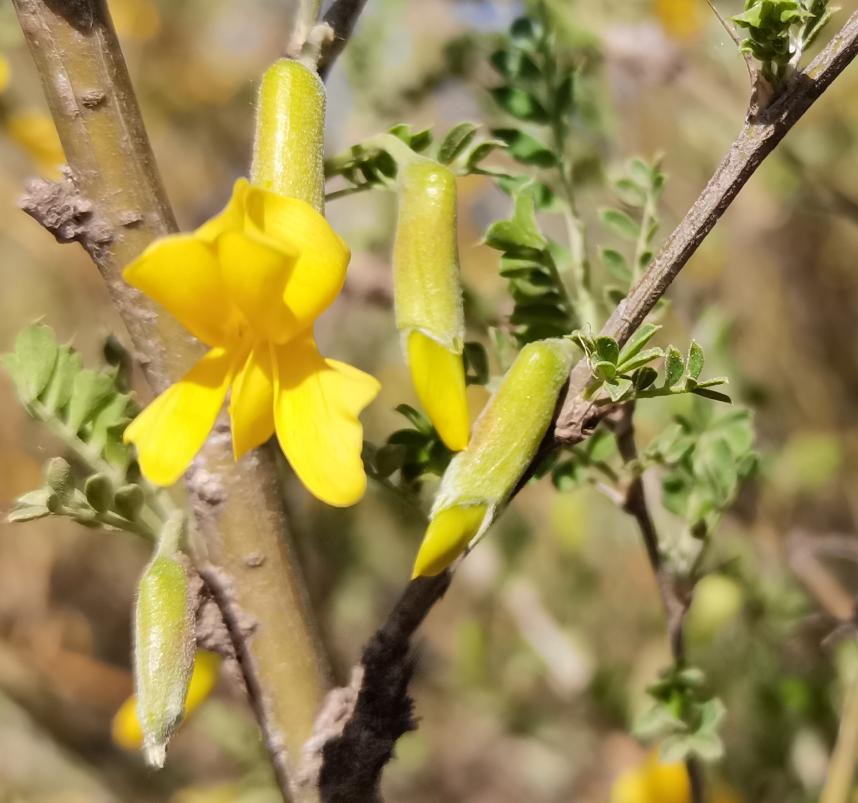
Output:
[[5, 73], [35, 132], [250, 283], [656, 782], [126, 730], [681, 19], [135, 19]]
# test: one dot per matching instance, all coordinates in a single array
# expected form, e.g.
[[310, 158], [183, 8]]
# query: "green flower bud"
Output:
[[288, 155], [428, 294], [163, 646], [99, 492], [128, 501], [58, 477], [506, 437]]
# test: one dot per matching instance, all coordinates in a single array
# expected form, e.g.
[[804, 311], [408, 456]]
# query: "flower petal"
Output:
[[255, 271], [317, 402], [230, 219], [173, 428], [323, 257], [447, 536], [439, 379], [251, 405], [181, 274]]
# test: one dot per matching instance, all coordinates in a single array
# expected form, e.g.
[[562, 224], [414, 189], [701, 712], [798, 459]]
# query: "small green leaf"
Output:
[[420, 422], [673, 367], [641, 173], [520, 104], [520, 231], [525, 148], [620, 223], [35, 357], [644, 378], [694, 363], [639, 360], [616, 264], [90, 390], [629, 192], [456, 141], [59, 389], [607, 349], [514, 63], [618, 388], [638, 340]]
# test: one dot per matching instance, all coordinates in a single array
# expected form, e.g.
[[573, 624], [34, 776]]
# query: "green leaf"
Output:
[[34, 359], [605, 370], [520, 104], [128, 501], [694, 363], [420, 421], [521, 230], [90, 390], [607, 349], [564, 96], [514, 63], [641, 173], [630, 193], [638, 340], [644, 378], [618, 388], [456, 141], [99, 492], [525, 148], [476, 364], [673, 367], [390, 458], [481, 152], [620, 223], [639, 360], [59, 389], [616, 264], [714, 395]]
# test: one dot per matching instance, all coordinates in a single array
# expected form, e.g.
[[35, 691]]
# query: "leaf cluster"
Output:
[[683, 718], [88, 410]]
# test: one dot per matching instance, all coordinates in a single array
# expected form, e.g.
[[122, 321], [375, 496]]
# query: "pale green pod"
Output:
[[427, 284], [505, 439], [163, 649], [288, 153]]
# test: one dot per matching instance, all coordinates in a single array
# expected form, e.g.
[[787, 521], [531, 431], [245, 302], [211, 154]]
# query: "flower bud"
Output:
[[163, 646], [506, 437], [288, 154], [58, 477], [428, 295], [99, 492]]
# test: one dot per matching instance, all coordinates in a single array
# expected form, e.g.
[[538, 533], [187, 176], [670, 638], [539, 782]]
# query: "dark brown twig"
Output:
[[342, 17]]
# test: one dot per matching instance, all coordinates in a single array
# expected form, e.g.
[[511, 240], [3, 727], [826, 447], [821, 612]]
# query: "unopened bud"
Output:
[[428, 294], [506, 437], [58, 477], [163, 646]]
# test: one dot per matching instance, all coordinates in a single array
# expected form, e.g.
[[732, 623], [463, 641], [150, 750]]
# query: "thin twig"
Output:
[[841, 768], [342, 17], [756, 140], [675, 595]]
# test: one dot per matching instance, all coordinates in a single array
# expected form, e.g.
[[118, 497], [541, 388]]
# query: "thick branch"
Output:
[[114, 203], [756, 140]]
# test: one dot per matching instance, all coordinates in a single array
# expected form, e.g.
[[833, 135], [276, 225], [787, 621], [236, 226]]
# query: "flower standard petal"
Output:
[[255, 271], [231, 218], [181, 273], [439, 379], [320, 270], [173, 428], [317, 402], [251, 405]]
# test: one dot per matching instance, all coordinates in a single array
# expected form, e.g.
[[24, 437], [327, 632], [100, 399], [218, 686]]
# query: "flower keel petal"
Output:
[[317, 403], [438, 375], [173, 428], [251, 406]]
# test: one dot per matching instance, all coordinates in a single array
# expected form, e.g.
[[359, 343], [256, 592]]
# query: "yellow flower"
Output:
[[126, 730], [681, 19], [655, 782], [5, 73], [35, 132], [250, 283]]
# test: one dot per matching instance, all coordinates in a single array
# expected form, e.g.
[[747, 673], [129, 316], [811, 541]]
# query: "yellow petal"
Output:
[[447, 536], [318, 274], [316, 408], [255, 271], [181, 273], [439, 379], [230, 219], [173, 428], [126, 730], [251, 405]]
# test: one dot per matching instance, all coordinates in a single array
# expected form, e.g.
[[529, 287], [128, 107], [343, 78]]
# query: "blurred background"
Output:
[[534, 667]]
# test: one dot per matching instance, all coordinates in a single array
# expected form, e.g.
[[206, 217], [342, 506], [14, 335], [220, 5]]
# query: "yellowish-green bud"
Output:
[[428, 294], [288, 154], [506, 437], [163, 646]]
